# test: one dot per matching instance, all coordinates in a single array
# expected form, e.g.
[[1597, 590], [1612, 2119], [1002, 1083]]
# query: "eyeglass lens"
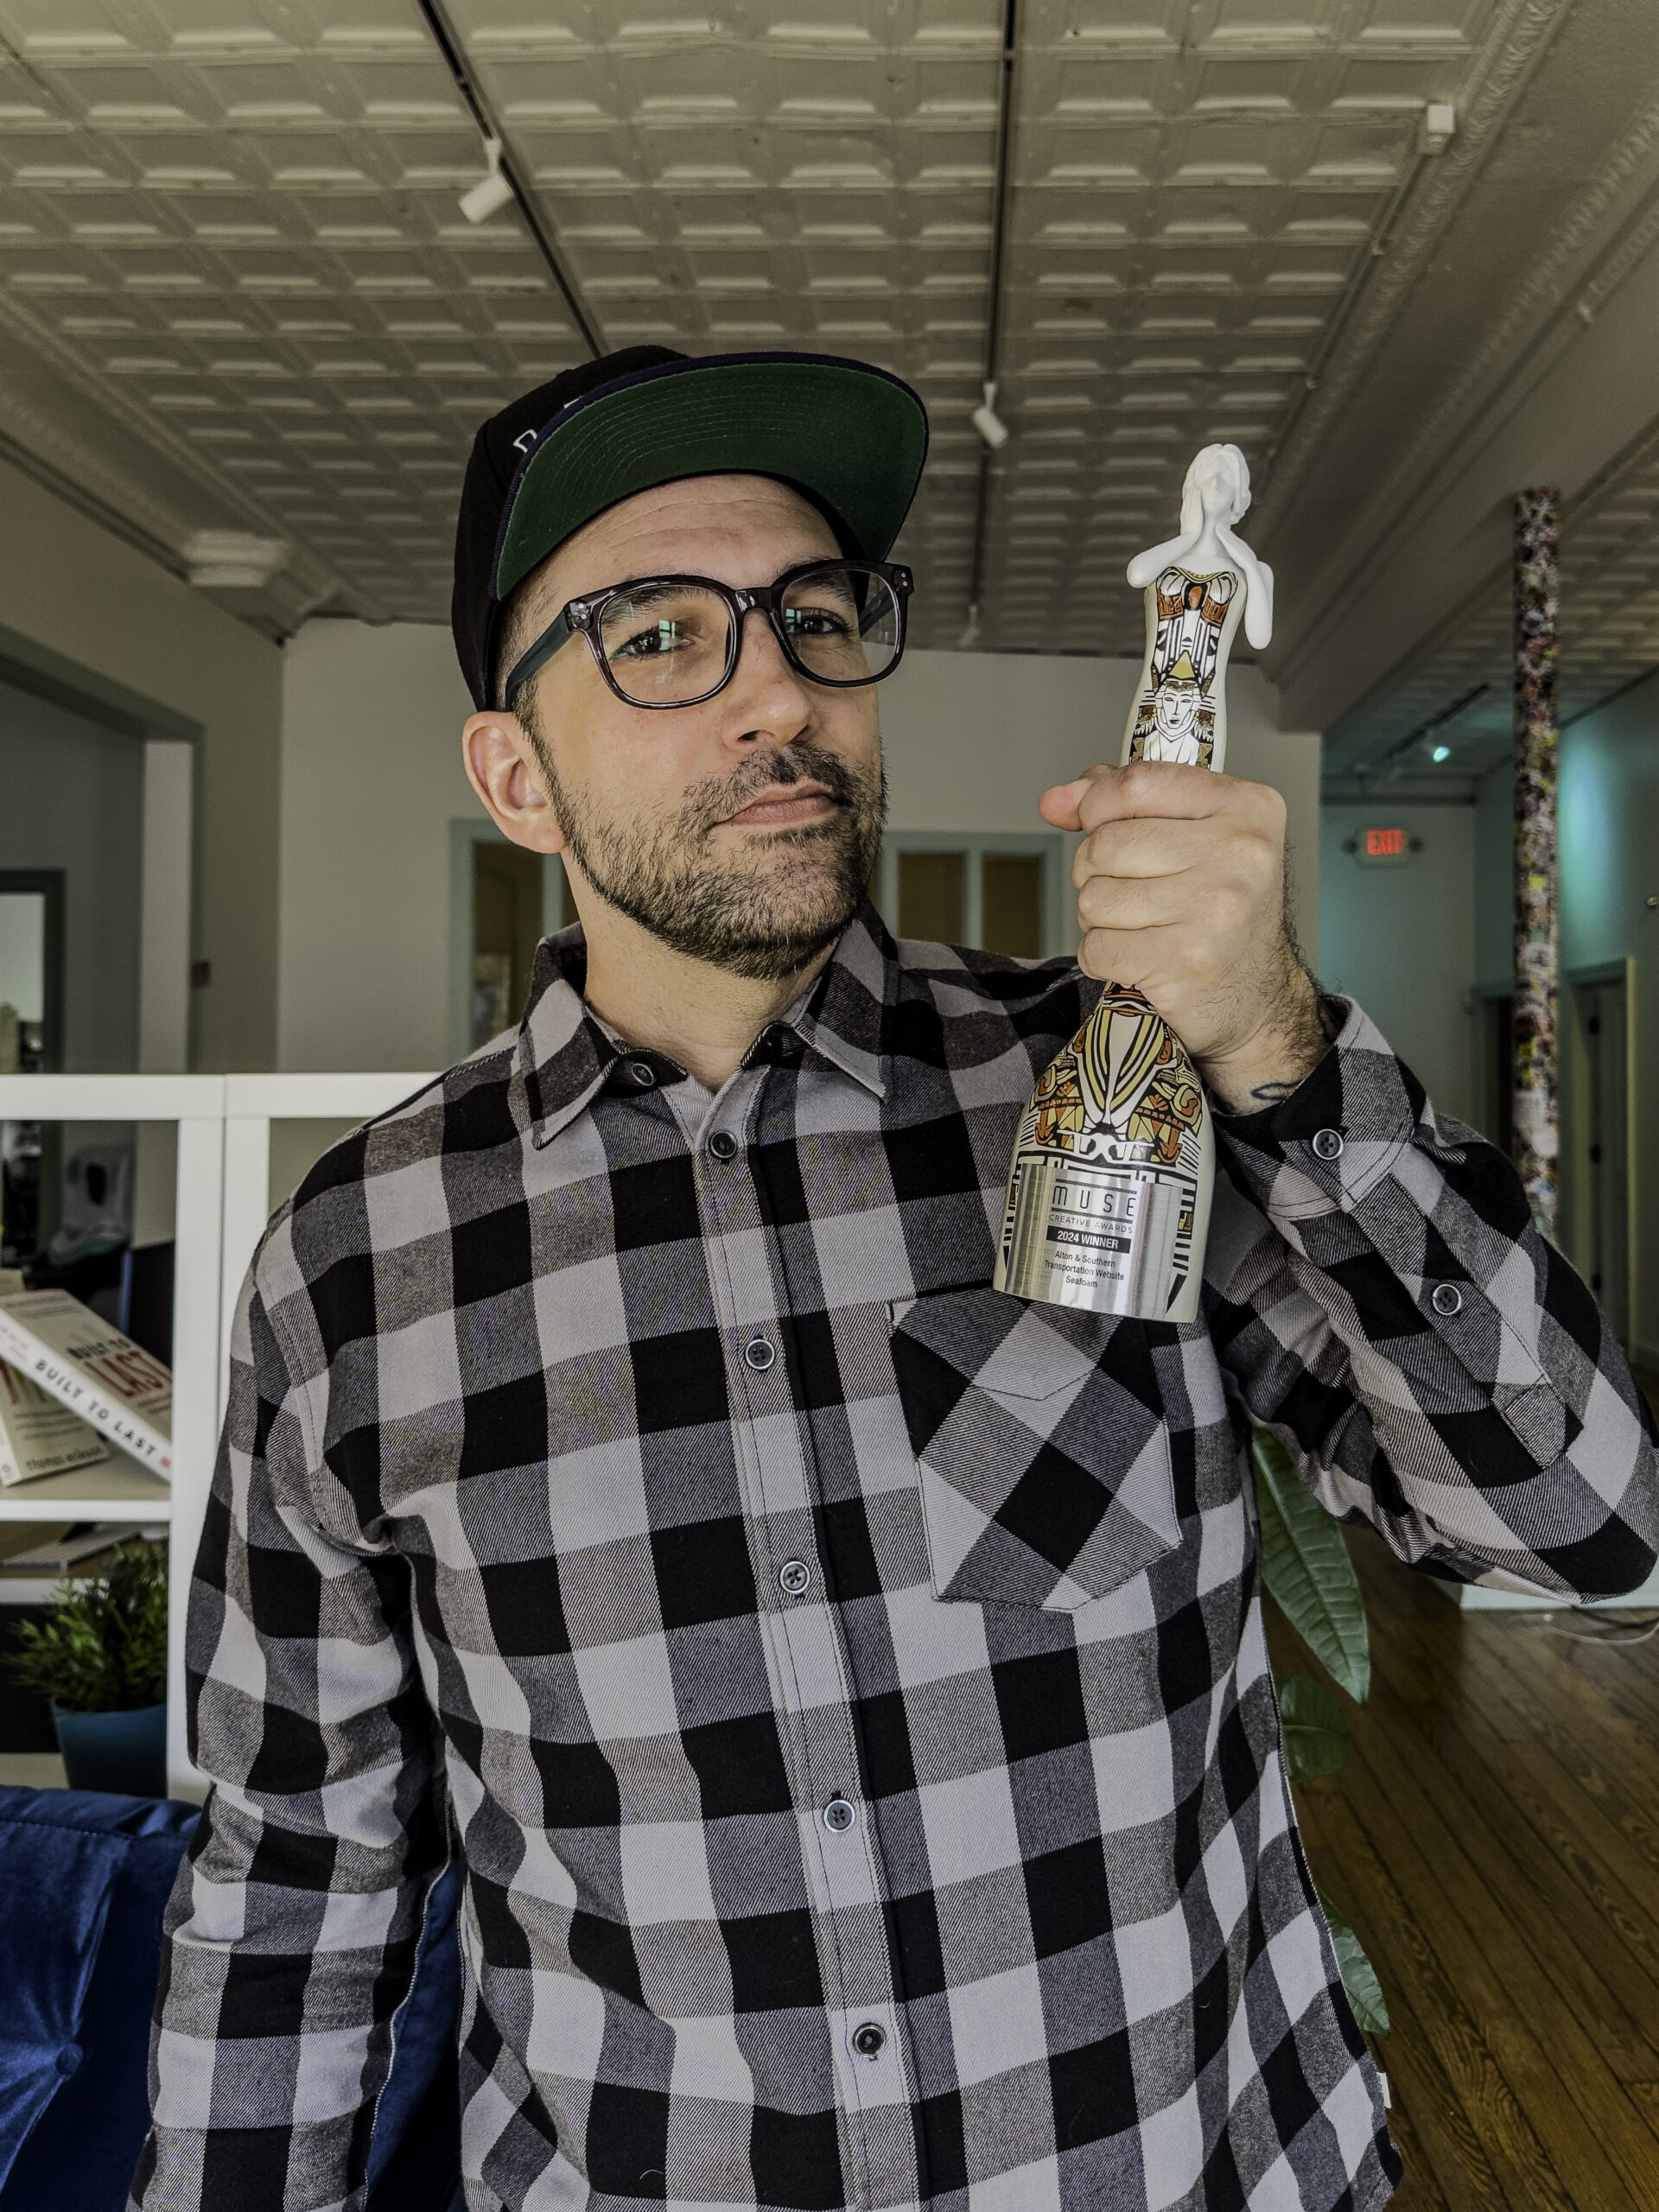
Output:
[[666, 642]]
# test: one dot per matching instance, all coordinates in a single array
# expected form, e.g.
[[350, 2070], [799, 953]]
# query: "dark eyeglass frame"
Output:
[[584, 616]]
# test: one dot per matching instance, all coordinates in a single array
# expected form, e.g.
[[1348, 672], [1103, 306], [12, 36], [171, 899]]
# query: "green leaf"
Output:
[[1359, 1982], [1304, 1564], [101, 1645], [1314, 1726]]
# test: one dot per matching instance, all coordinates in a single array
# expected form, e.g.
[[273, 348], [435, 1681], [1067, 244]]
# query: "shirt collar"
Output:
[[563, 1057]]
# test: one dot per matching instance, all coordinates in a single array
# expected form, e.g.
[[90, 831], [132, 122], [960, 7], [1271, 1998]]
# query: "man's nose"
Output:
[[765, 682]]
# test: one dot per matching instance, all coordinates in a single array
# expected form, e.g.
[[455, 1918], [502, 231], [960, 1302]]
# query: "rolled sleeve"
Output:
[[1470, 1398]]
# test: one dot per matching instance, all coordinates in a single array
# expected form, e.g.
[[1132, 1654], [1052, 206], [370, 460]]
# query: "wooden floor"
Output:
[[1494, 1839]]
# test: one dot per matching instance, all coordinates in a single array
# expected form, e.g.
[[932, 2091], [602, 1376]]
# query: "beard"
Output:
[[763, 917]]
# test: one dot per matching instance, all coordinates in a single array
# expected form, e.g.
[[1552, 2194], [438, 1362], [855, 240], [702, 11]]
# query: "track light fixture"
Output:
[[491, 192], [989, 423]]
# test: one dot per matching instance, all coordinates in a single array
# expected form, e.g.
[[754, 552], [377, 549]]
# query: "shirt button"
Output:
[[838, 1815], [643, 1073], [723, 1145], [796, 1576], [869, 2039], [1447, 1299], [1328, 1145], [760, 1354]]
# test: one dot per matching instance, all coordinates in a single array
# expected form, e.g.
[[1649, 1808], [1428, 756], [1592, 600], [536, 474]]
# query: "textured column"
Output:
[[1537, 733]]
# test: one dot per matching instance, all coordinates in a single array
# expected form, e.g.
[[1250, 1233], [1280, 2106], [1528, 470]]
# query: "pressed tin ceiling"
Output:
[[237, 292]]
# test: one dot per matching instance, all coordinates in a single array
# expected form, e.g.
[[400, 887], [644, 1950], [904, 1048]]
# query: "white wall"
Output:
[[71, 588], [371, 779], [73, 793]]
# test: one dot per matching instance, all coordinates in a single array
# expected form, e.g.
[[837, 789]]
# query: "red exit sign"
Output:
[[1382, 847]]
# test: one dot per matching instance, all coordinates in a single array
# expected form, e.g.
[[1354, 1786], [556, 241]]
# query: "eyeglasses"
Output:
[[674, 641]]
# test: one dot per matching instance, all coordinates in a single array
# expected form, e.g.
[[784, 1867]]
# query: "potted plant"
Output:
[[100, 1658]]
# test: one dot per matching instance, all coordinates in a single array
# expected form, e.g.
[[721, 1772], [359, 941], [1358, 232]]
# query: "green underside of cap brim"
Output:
[[855, 440]]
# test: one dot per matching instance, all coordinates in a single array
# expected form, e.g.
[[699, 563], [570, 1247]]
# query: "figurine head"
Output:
[[1175, 706], [1216, 490]]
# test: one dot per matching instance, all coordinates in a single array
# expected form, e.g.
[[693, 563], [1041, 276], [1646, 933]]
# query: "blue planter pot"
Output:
[[122, 1751]]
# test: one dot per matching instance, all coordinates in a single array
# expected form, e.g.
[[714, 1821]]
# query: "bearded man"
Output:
[[840, 1686]]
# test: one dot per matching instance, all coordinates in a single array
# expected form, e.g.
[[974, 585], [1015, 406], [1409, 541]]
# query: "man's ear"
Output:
[[502, 768]]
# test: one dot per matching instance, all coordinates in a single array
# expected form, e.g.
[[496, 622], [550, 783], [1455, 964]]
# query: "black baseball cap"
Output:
[[850, 438]]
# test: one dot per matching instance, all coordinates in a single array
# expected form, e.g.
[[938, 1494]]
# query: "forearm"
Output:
[[1296, 1030]]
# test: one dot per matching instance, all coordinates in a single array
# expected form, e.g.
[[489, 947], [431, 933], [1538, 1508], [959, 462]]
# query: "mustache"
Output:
[[715, 800]]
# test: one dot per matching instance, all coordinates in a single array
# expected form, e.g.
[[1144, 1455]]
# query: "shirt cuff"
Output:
[[1327, 1146]]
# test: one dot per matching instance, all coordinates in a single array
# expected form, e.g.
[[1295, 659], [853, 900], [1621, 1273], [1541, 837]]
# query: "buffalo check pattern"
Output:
[[843, 1685]]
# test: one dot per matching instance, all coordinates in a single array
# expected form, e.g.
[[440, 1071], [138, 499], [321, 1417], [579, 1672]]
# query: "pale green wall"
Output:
[[71, 587], [1401, 940], [1609, 867], [1493, 875]]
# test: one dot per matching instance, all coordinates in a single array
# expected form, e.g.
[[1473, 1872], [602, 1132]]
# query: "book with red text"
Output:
[[82, 1359], [39, 1436]]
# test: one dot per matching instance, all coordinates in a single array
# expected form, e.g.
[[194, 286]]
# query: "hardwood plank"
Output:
[[1494, 1841], [1644, 2096], [1486, 2153], [1553, 2063], [1591, 1972], [1589, 1742], [1635, 1868]]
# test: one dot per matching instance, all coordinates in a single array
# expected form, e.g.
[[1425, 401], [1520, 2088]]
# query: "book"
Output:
[[38, 1436], [97, 1372]]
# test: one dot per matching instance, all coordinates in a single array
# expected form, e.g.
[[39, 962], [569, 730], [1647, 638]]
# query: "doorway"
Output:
[[503, 900], [1602, 1006]]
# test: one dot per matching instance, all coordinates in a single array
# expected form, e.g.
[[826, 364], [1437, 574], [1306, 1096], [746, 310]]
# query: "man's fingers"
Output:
[[1126, 903], [1144, 845], [1138, 958], [1061, 803], [1156, 787]]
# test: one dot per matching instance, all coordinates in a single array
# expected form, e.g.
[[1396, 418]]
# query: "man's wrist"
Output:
[[1282, 1052]]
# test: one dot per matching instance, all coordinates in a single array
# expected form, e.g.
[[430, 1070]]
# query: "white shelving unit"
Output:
[[224, 1201]]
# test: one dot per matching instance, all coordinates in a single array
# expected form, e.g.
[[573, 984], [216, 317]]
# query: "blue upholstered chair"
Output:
[[84, 1878]]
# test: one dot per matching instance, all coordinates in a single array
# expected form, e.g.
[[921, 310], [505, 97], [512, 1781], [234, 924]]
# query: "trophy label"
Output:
[[1110, 1187]]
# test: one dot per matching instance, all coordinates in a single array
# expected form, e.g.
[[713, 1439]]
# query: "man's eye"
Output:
[[816, 622], [657, 637]]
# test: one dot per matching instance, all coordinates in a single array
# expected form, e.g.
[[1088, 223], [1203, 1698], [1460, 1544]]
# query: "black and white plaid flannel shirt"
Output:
[[843, 1685]]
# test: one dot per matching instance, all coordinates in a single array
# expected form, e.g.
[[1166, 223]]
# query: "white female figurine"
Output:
[[1110, 1187], [1197, 585]]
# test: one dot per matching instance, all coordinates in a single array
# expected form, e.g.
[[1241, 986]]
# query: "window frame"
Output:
[[1046, 846]]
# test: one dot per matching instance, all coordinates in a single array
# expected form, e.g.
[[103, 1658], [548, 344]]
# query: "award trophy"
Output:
[[1109, 1194]]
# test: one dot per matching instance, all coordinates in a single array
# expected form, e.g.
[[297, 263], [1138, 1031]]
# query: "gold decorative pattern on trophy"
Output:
[[1123, 1075]]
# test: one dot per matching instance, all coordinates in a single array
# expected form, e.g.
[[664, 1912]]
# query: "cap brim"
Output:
[[851, 436]]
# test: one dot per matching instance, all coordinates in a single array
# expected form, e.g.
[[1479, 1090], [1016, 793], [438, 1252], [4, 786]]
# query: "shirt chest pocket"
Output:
[[1042, 1453]]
